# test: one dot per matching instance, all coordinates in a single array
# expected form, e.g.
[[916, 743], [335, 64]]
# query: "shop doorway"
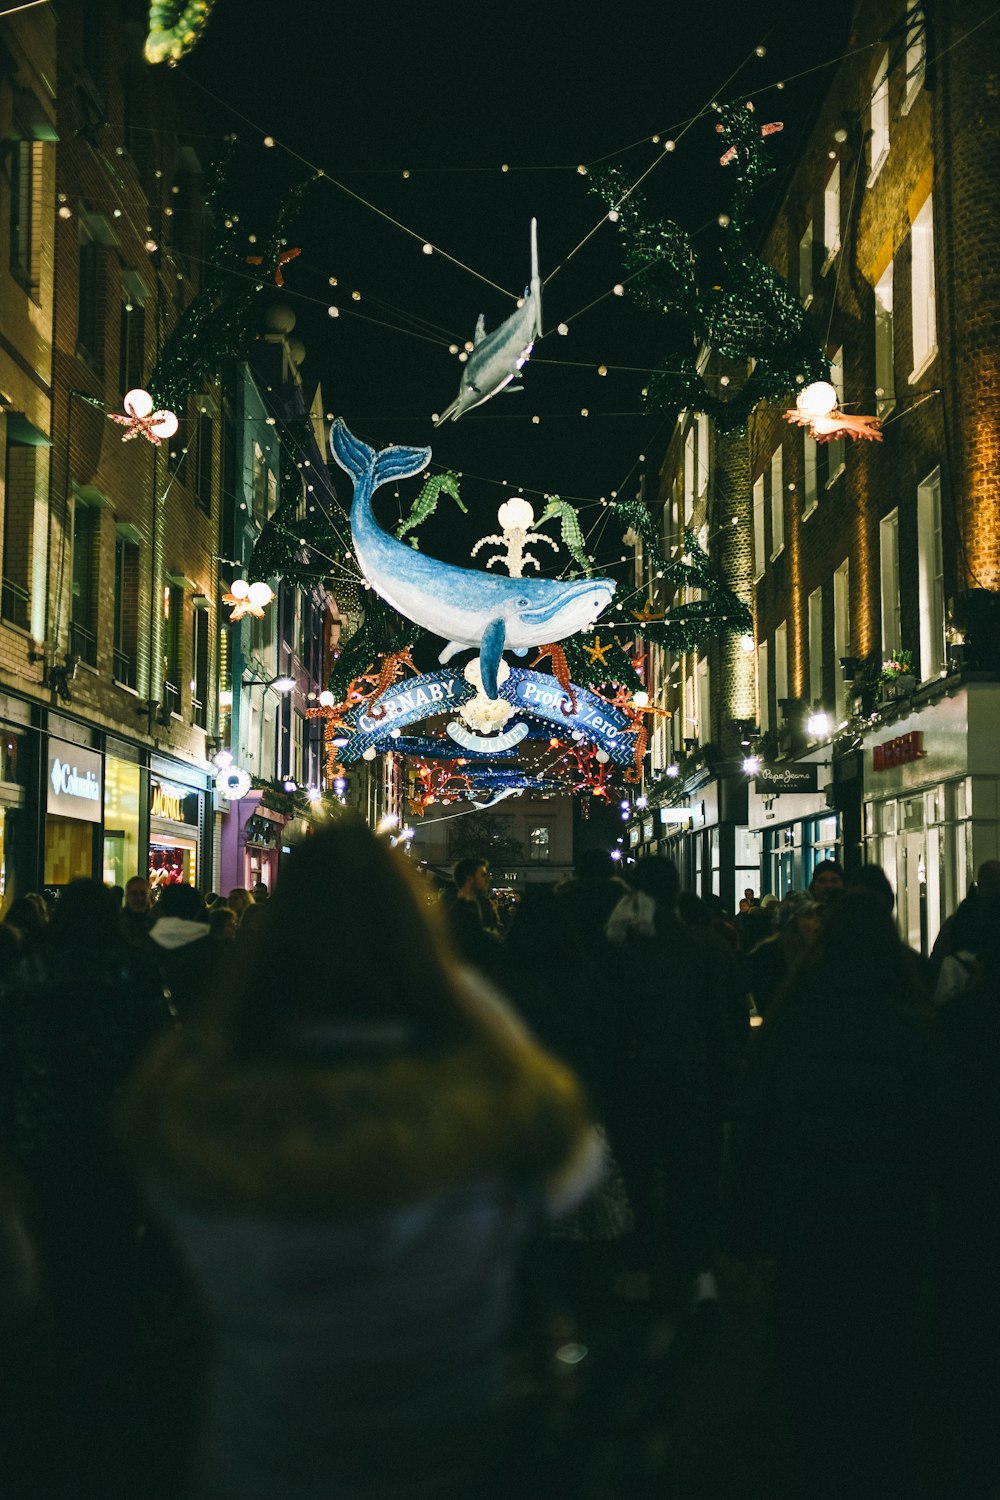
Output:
[[911, 897]]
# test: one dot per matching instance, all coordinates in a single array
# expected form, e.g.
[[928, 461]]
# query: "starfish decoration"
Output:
[[284, 256], [141, 419], [647, 613], [248, 599], [597, 652], [765, 130], [837, 424]]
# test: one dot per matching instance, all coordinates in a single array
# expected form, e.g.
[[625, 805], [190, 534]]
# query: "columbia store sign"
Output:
[[75, 783]]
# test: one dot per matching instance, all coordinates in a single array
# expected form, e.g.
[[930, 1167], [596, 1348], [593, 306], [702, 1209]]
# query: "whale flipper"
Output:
[[356, 458], [490, 653], [449, 651]]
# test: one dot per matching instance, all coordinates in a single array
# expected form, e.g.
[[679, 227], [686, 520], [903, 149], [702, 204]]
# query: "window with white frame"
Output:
[[879, 115], [888, 541], [810, 480], [916, 53], [816, 646], [930, 576], [841, 631], [758, 527], [924, 313], [763, 693], [703, 454], [704, 702], [781, 664], [806, 288], [885, 376], [836, 446], [689, 474], [831, 216], [777, 503]]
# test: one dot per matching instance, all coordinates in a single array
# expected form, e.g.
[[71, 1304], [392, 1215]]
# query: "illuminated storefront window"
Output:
[[122, 848], [174, 833], [74, 802]]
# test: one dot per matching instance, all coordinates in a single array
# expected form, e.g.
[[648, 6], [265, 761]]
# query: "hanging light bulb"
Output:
[[817, 400]]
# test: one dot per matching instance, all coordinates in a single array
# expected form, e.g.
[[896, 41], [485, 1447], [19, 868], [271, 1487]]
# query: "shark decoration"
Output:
[[468, 608], [498, 357]]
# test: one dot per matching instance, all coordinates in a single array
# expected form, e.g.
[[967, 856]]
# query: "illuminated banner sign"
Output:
[[901, 751], [75, 788], [444, 749], [175, 803], [777, 779], [534, 693]]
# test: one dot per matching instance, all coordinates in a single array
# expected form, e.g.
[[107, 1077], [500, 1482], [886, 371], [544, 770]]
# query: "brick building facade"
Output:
[[853, 553]]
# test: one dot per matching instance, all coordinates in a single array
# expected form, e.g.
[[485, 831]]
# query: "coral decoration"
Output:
[[284, 256], [560, 670], [837, 424], [516, 517], [392, 671], [765, 130], [248, 599], [174, 28], [140, 418]]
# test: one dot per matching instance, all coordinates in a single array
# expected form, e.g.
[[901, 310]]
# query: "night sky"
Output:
[[448, 94]]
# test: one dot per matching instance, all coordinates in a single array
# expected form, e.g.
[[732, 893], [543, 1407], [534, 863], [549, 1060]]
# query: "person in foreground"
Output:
[[350, 1163]]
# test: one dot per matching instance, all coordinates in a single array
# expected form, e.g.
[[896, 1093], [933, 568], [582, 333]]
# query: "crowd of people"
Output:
[[305, 1195]]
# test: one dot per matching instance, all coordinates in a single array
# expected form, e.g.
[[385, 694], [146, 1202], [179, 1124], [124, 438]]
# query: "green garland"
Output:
[[426, 502], [754, 316], [174, 28], [217, 326], [589, 671], [382, 633], [572, 536]]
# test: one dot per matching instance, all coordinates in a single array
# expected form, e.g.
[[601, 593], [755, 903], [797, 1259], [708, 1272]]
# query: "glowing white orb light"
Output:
[[817, 400]]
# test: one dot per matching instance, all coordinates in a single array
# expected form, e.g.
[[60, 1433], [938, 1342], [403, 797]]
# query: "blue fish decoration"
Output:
[[465, 606], [497, 357]]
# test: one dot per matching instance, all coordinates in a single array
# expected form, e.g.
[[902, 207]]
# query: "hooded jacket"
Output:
[[353, 1229]]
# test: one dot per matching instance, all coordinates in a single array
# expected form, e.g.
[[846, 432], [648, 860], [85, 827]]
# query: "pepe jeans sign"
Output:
[[74, 789], [770, 780]]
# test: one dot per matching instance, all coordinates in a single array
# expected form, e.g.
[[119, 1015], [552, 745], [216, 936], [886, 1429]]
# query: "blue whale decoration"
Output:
[[465, 606]]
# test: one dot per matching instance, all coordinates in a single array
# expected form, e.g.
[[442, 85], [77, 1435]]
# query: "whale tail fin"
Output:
[[356, 458]]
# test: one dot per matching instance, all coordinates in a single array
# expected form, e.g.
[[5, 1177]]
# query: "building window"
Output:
[[131, 346], [18, 532], [916, 54], [781, 664], [930, 576], [816, 646], [885, 377], [83, 614], [763, 688], [924, 314], [758, 527], [260, 485], [888, 537], [539, 844], [126, 640], [88, 342], [703, 454], [777, 503], [831, 216], [879, 112], [689, 475], [703, 708], [25, 168], [806, 288], [206, 459], [173, 608], [841, 631], [199, 669], [835, 447], [810, 480]]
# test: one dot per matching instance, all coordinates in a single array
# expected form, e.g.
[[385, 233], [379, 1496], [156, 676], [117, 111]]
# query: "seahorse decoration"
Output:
[[560, 670], [392, 670], [426, 502], [572, 536]]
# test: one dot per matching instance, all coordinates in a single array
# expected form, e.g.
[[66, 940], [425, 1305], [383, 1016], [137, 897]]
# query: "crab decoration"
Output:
[[140, 418], [248, 599]]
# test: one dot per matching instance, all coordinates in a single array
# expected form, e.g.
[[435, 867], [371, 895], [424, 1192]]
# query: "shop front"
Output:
[[253, 841], [13, 774], [932, 803], [73, 811], [176, 813], [703, 829], [124, 844], [789, 811]]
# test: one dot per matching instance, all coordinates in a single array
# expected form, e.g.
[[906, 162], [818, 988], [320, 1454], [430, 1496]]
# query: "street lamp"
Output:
[[280, 684]]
